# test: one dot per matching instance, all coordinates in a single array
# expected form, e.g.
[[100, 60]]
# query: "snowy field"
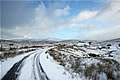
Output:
[[60, 61]]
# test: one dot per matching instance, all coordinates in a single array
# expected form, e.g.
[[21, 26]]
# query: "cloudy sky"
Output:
[[64, 19]]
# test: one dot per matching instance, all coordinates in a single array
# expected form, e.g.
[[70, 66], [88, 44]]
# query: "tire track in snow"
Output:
[[38, 70], [13, 73]]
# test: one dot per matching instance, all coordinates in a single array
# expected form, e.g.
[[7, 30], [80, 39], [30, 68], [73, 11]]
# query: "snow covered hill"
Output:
[[60, 60]]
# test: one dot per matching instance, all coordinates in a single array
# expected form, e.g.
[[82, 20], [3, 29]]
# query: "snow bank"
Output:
[[53, 70], [9, 62]]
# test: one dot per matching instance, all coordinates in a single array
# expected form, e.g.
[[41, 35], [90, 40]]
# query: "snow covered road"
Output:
[[38, 70], [61, 61], [12, 73], [29, 66]]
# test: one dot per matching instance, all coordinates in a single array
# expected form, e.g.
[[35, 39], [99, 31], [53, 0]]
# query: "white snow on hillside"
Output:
[[53, 70], [62, 60], [9, 62]]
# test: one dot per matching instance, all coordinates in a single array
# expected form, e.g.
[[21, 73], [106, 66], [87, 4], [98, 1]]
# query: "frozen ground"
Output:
[[70, 62], [62, 61], [9, 62]]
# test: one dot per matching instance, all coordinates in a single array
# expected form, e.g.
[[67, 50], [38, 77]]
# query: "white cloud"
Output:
[[62, 12], [28, 36], [88, 27], [85, 27], [84, 15], [43, 24], [110, 14], [102, 34], [47, 21]]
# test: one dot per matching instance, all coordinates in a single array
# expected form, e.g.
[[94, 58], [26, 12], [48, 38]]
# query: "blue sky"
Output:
[[64, 19]]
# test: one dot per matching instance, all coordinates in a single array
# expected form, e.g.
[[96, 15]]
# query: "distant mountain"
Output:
[[24, 40], [113, 40], [46, 39], [51, 39]]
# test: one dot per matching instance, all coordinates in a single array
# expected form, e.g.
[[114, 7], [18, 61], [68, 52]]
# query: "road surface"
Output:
[[38, 72]]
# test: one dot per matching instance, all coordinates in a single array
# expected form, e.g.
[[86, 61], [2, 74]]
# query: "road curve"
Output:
[[12, 73], [38, 71]]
